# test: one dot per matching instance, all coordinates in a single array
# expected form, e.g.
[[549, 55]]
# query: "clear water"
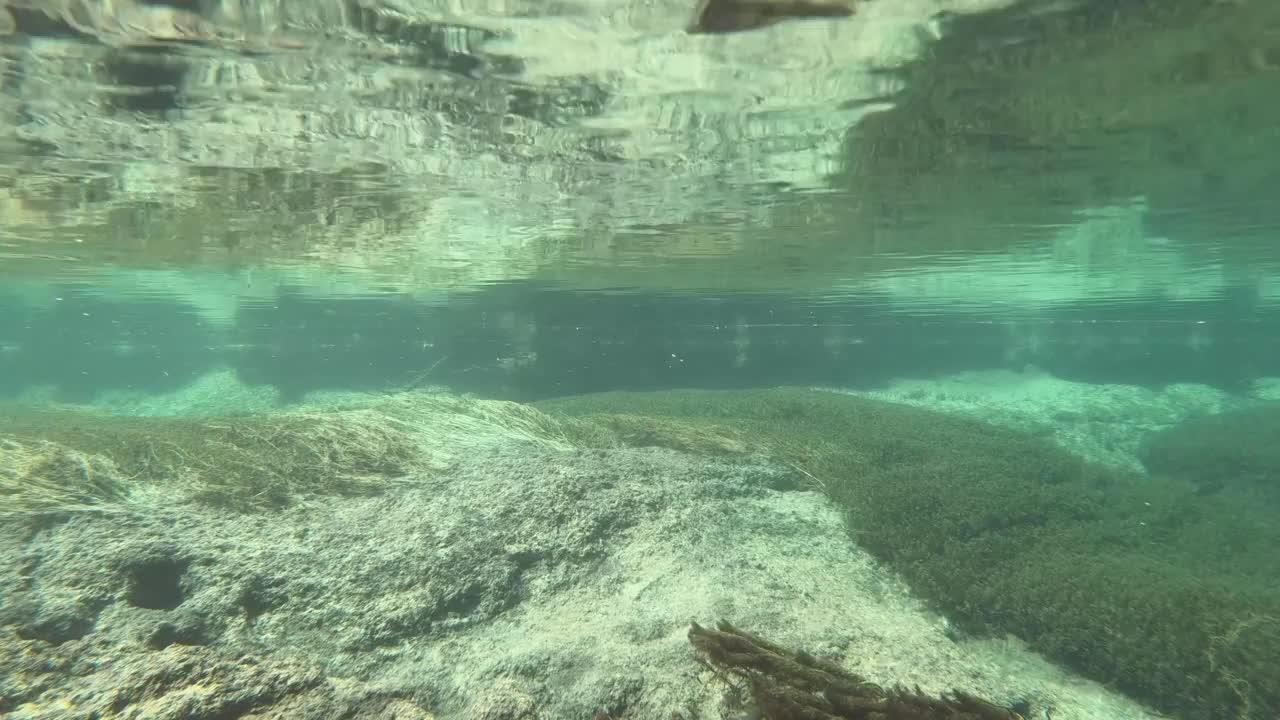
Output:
[[1055, 217]]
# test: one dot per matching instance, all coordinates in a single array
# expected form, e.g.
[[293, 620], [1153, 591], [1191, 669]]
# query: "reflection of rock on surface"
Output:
[[123, 23], [726, 16]]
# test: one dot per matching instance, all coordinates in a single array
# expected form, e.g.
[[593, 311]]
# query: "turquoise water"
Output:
[[450, 359]]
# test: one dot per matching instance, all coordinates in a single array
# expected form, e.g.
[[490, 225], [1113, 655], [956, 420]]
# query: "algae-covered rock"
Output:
[[1142, 583]]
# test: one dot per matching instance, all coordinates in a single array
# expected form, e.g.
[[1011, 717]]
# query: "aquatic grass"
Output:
[[480, 420], [249, 461], [1141, 583], [39, 477], [674, 433], [265, 461]]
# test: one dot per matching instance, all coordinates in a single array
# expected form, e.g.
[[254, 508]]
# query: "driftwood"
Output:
[[794, 685]]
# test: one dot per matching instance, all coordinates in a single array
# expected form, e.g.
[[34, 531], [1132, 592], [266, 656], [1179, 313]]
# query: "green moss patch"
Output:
[[1234, 452]]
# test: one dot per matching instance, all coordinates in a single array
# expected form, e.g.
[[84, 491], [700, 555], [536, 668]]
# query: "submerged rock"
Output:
[[525, 579]]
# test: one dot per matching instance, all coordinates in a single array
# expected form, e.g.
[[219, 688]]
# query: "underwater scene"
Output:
[[639, 359]]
